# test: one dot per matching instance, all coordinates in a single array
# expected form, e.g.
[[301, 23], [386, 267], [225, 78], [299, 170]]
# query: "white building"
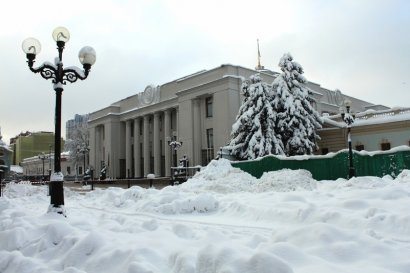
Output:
[[130, 137], [371, 131]]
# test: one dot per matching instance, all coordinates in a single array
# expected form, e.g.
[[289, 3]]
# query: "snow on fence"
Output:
[[334, 165]]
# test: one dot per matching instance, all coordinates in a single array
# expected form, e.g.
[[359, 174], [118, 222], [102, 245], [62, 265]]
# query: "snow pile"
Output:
[[286, 180], [283, 222], [404, 176], [167, 201], [23, 188], [220, 176]]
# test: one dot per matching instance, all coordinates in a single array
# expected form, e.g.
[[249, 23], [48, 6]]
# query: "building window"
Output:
[[209, 108], [173, 116], [207, 156], [141, 127], [160, 147], [160, 123], [325, 151], [210, 137], [385, 146], [132, 129], [68, 170], [359, 147], [80, 170]]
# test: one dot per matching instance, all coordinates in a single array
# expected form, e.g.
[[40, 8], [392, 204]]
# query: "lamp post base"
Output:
[[57, 194], [352, 172]]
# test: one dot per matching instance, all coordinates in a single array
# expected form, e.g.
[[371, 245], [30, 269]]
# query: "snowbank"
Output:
[[222, 220]]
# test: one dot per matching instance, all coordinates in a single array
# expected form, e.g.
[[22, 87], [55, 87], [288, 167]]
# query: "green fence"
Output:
[[335, 165]]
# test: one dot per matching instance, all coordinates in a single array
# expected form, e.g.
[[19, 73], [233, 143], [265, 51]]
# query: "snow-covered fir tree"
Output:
[[253, 133], [297, 120]]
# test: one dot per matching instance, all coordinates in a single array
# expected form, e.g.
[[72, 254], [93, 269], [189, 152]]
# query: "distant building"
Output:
[[371, 131], [37, 168], [6, 156], [31, 144], [79, 121], [130, 137]]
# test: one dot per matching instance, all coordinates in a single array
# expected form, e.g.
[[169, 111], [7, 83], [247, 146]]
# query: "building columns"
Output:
[[128, 159], [146, 148], [197, 142], [137, 148], [147, 157], [156, 146], [167, 136]]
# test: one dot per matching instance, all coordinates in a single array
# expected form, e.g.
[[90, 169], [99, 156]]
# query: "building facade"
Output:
[[130, 137], [40, 167], [6, 156], [31, 144], [371, 131]]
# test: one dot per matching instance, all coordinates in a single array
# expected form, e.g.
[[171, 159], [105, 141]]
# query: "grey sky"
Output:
[[359, 47]]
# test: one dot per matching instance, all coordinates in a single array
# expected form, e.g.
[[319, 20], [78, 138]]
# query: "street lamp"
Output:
[[175, 145], [59, 77], [42, 157], [49, 162], [84, 150], [349, 120], [1, 180]]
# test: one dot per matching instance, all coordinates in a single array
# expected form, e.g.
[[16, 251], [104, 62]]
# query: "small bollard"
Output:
[[150, 177]]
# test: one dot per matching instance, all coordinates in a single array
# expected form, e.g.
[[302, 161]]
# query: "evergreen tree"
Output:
[[253, 134], [297, 120]]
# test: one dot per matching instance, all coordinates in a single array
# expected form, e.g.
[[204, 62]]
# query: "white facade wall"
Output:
[[33, 166], [372, 141]]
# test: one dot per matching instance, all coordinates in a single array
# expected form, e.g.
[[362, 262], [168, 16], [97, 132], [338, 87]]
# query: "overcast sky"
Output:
[[359, 47]]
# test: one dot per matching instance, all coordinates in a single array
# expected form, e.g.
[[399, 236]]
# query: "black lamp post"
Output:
[[49, 162], [1, 181], [349, 120], [175, 145], [59, 77], [42, 157], [84, 150]]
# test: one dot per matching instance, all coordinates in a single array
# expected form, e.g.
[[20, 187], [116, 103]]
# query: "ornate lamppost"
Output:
[[84, 150], [49, 162], [175, 145], [42, 157], [349, 120], [59, 77]]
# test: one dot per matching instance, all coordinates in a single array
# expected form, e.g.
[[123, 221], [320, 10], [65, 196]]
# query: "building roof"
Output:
[[371, 117]]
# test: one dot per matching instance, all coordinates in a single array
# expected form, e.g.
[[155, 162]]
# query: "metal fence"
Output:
[[331, 167]]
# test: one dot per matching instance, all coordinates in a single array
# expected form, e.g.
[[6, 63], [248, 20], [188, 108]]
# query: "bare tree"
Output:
[[78, 148]]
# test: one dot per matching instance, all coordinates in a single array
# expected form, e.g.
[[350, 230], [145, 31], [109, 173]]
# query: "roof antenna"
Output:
[[259, 66]]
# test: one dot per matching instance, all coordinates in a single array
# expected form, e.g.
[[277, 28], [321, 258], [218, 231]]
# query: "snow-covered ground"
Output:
[[222, 220]]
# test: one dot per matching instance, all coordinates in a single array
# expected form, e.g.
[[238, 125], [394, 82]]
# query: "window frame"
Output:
[[210, 138], [385, 146], [359, 147], [209, 107]]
